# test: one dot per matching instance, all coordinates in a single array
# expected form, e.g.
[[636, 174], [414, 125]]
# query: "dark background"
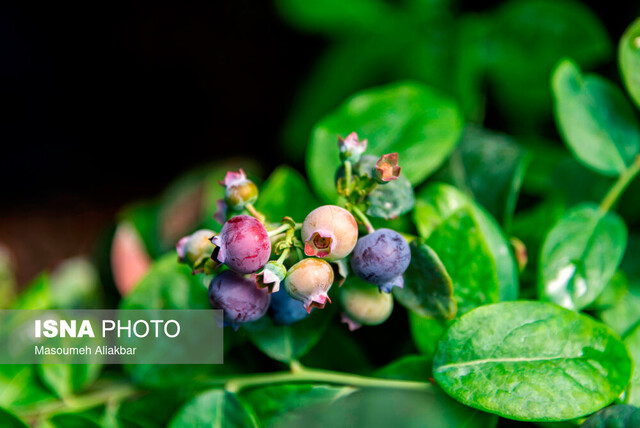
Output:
[[104, 103]]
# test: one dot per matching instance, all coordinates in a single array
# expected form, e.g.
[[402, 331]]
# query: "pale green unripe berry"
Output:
[[363, 303]]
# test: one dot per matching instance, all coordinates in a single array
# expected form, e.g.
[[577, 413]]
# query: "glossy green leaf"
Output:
[[65, 379], [595, 119], [428, 289], [528, 37], [19, 386], [516, 358], [410, 367], [411, 119], [629, 58], [213, 409], [286, 193], [580, 255], [481, 251], [632, 341], [289, 342], [9, 420], [372, 407], [490, 167], [613, 292], [620, 416], [271, 403]]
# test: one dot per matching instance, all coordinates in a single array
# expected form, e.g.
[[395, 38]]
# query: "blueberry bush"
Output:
[[428, 271]]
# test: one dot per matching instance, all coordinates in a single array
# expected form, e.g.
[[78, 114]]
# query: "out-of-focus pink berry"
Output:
[[387, 168], [351, 148], [243, 244], [239, 190], [309, 281], [329, 232]]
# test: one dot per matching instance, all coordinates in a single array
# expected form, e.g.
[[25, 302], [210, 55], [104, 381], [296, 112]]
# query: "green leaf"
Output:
[[36, 296], [9, 420], [289, 342], [470, 245], [410, 367], [620, 416], [490, 167], [411, 119], [334, 17], [580, 255], [65, 379], [426, 333], [629, 57], [272, 403], [72, 421], [516, 358], [632, 341], [213, 409], [151, 410], [623, 315], [613, 292], [286, 193], [169, 285], [374, 407], [428, 289], [528, 38], [19, 385], [595, 120]]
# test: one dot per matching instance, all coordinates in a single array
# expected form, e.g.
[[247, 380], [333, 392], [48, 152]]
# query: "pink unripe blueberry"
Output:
[[329, 232], [243, 244], [308, 281], [238, 297]]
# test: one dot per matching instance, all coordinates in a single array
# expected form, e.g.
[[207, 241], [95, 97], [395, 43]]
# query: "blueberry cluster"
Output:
[[310, 256]]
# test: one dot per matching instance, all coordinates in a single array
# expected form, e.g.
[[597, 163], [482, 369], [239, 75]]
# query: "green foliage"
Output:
[[632, 340], [595, 119], [515, 358], [620, 416], [470, 245], [428, 289], [271, 404], [629, 58], [421, 125], [580, 255], [290, 342], [9, 420], [215, 408], [286, 193]]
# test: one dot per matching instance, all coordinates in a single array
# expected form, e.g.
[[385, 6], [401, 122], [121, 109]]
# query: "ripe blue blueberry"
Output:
[[381, 258], [238, 297], [286, 310]]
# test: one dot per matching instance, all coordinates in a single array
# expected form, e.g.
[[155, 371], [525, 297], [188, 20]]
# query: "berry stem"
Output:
[[112, 394], [278, 230], [347, 177], [620, 185], [252, 210], [300, 374], [362, 217], [284, 255]]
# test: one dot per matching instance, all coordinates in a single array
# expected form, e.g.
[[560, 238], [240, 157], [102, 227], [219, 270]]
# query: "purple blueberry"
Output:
[[381, 258], [243, 244], [286, 310], [238, 297]]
